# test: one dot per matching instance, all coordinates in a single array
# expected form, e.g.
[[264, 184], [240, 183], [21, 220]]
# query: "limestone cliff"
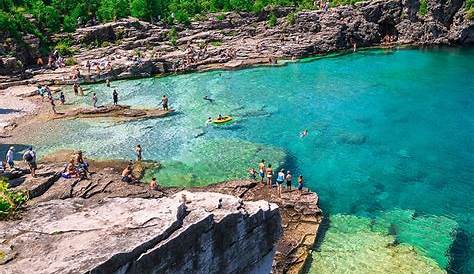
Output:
[[138, 49], [185, 233]]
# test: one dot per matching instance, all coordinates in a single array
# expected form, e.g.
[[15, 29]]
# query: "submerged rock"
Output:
[[352, 240], [352, 139]]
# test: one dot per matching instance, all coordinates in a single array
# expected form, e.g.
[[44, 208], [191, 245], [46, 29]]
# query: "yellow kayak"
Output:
[[223, 119]]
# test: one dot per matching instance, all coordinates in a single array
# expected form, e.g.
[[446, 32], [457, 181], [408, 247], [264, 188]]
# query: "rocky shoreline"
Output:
[[299, 211], [130, 48]]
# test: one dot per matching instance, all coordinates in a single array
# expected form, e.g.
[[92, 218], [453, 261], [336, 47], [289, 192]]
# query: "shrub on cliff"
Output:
[[10, 200], [423, 9], [64, 48], [470, 14]]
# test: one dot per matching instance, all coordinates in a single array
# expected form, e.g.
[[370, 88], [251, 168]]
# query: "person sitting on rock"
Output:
[[82, 164], [153, 184], [70, 170], [127, 175]]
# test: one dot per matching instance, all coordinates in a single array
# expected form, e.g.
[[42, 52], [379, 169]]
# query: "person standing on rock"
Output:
[[94, 100], [269, 175], [261, 170], [107, 82], [288, 179], [300, 183], [138, 152], [9, 157], [164, 102], [88, 66], [30, 159], [115, 97], [280, 179]]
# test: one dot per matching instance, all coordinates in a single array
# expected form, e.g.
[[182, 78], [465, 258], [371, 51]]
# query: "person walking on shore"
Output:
[[164, 102], [53, 105], [94, 100], [9, 157], [261, 170], [30, 159], [115, 97], [138, 152]]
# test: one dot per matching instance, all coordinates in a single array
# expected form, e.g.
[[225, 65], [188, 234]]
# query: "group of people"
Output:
[[128, 176], [29, 156], [45, 91], [77, 167], [55, 60], [266, 174]]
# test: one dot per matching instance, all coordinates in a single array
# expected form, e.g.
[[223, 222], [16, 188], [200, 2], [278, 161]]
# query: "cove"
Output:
[[389, 150]]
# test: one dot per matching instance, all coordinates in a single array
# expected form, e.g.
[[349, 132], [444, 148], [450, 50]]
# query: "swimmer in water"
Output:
[[208, 99], [209, 120], [304, 133]]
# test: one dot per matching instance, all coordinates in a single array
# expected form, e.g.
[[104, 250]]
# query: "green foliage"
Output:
[[423, 10], [10, 200], [140, 9], [470, 13], [64, 47], [71, 61], [291, 18], [216, 43], [469, 4], [272, 20], [173, 36]]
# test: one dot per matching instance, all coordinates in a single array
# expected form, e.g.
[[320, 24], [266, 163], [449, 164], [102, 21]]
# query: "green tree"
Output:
[[140, 9]]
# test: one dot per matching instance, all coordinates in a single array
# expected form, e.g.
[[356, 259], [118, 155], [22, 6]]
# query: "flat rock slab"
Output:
[[130, 235], [114, 111]]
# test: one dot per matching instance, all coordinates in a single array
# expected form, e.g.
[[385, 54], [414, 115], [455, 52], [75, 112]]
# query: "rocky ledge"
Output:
[[185, 233], [104, 225], [130, 48], [121, 112]]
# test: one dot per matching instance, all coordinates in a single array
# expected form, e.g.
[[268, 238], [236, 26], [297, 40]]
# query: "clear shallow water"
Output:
[[390, 142]]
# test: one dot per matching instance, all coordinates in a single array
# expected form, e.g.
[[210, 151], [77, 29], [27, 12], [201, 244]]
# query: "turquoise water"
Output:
[[390, 145]]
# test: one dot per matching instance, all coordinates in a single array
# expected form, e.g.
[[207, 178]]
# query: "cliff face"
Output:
[[137, 48], [185, 233]]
